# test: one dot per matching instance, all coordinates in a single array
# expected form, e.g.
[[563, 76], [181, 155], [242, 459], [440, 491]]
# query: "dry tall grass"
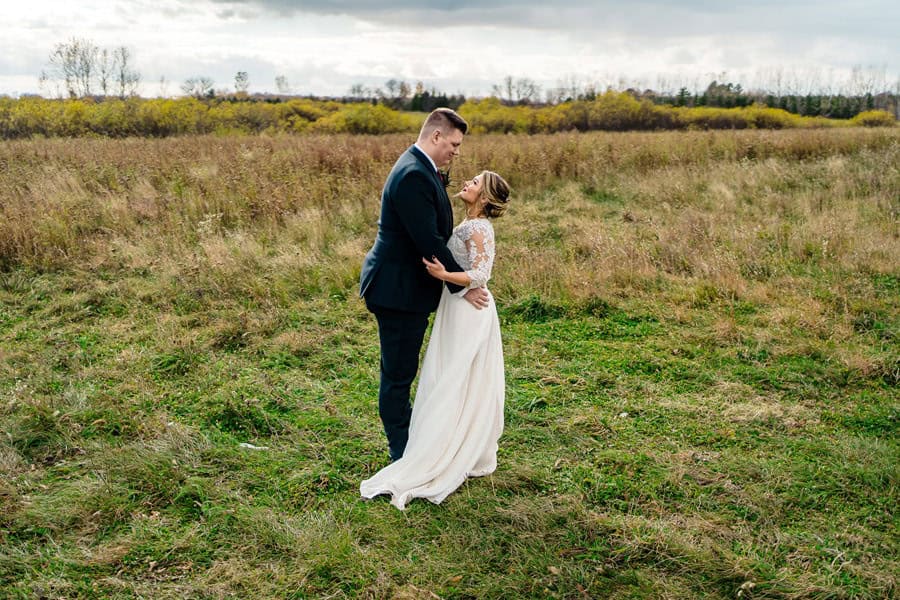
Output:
[[731, 209]]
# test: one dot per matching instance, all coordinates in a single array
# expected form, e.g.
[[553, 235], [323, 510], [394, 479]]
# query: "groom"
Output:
[[416, 221]]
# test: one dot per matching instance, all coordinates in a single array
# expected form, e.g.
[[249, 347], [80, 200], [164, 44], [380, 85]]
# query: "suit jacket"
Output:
[[416, 221]]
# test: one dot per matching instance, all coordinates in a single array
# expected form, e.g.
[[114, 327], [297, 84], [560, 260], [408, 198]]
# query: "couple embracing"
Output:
[[420, 263]]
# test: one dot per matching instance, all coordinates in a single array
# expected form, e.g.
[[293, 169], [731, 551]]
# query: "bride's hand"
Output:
[[435, 268]]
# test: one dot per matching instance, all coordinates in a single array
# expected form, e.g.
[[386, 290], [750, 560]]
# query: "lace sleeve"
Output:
[[480, 248]]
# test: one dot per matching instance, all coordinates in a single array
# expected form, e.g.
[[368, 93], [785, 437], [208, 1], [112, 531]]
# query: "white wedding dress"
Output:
[[457, 416]]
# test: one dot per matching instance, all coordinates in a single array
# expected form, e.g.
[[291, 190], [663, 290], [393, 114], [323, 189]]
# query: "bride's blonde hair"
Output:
[[496, 191]]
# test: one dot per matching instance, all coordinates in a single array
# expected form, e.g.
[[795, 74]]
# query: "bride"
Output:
[[457, 416]]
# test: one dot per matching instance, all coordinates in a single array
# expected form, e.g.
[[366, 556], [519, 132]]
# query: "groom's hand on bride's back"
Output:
[[477, 297]]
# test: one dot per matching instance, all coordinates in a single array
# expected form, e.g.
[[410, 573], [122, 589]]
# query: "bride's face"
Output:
[[471, 190]]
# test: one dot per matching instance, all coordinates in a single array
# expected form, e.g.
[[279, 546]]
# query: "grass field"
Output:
[[701, 341]]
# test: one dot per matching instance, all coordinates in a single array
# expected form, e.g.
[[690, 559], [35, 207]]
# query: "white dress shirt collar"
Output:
[[433, 166]]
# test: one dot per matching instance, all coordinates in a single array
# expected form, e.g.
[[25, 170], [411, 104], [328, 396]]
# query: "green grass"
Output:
[[701, 400]]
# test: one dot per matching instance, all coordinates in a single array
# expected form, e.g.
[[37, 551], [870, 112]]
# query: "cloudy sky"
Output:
[[463, 46]]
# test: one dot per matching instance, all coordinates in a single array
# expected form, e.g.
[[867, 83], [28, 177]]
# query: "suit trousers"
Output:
[[400, 334]]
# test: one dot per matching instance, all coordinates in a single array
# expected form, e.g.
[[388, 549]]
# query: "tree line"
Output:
[[731, 95], [79, 68]]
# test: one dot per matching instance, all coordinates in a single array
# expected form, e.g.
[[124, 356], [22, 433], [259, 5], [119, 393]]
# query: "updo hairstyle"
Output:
[[496, 191]]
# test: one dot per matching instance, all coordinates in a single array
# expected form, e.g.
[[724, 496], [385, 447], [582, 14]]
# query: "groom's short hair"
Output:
[[445, 119]]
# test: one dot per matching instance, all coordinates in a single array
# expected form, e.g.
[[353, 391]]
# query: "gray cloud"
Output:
[[656, 22], [794, 30]]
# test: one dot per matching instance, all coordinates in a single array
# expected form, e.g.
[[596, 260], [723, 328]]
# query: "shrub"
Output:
[[366, 118], [874, 118], [491, 115], [161, 117]]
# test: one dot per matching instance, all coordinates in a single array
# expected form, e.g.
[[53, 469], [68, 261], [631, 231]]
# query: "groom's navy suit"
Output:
[[416, 221]]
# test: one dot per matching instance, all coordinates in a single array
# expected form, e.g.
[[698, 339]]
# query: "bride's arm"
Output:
[[481, 257], [481, 254], [437, 270]]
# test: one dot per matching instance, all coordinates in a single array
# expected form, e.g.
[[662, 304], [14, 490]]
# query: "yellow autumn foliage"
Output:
[[162, 117]]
